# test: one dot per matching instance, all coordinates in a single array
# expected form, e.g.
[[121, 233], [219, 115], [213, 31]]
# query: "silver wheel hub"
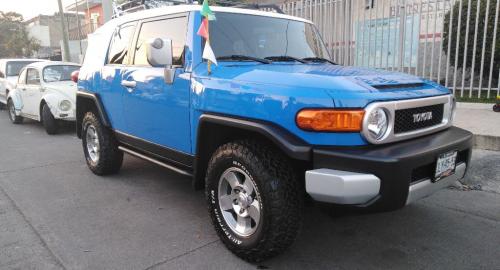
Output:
[[239, 202], [93, 146]]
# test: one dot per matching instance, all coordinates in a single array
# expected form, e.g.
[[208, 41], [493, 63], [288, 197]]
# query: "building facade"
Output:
[[47, 29]]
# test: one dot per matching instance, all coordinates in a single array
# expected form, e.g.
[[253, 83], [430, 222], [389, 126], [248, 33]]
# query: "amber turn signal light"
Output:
[[330, 120]]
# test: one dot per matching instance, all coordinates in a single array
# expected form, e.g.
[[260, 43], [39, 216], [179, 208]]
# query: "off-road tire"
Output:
[[49, 122], [280, 192], [13, 118], [110, 157]]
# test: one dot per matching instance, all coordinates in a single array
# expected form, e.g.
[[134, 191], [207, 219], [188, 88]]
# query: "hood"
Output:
[[65, 88], [347, 86]]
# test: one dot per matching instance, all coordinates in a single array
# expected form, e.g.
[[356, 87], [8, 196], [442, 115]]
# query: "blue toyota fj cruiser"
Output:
[[274, 120]]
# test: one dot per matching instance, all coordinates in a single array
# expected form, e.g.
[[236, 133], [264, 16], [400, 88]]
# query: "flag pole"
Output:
[[209, 63]]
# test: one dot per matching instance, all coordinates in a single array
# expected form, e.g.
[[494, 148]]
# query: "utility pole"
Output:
[[65, 52], [79, 27]]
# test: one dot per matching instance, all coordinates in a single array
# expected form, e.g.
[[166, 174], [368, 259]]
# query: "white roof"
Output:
[[187, 8], [43, 64]]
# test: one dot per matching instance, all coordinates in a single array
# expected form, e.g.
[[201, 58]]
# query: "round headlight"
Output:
[[378, 124], [65, 105]]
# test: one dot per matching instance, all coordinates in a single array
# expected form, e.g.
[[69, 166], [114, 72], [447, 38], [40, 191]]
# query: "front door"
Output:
[[32, 94], [153, 110], [111, 93]]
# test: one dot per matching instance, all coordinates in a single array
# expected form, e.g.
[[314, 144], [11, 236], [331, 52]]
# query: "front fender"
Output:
[[52, 100], [15, 96]]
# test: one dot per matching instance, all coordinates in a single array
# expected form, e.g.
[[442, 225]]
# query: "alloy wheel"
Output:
[[239, 202]]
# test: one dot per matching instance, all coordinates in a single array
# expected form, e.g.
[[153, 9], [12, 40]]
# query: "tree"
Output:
[[452, 36], [14, 38]]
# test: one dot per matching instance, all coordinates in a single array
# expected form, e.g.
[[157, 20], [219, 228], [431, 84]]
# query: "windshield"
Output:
[[260, 36], [58, 73], [14, 67]]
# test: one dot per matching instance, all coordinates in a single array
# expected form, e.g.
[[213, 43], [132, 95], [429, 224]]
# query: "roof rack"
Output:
[[137, 5]]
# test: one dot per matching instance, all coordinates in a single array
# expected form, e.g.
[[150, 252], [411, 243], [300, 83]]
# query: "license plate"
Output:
[[445, 165]]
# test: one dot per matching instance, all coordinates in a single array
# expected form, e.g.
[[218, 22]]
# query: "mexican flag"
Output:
[[208, 15]]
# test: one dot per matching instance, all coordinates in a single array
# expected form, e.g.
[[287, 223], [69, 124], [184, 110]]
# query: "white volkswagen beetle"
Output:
[[44, 92]]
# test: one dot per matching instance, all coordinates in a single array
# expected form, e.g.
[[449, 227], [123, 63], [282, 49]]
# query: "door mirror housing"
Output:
[[159, 52], [74, 76]]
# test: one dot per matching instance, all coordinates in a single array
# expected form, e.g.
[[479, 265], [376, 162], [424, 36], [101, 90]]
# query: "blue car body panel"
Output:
[[270, 92], [155, 111]]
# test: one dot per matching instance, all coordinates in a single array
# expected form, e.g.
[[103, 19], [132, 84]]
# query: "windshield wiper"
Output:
[[318, 59], [244, 57], [285, 58]]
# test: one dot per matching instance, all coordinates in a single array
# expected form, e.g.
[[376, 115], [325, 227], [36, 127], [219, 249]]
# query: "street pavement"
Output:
[[55, 214]]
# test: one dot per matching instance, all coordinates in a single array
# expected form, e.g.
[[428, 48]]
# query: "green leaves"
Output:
[[14, 39]]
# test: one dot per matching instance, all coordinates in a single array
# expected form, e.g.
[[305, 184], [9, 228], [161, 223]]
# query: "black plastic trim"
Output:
[[156, 151], [293, 146], [100, 109], [394, 163]]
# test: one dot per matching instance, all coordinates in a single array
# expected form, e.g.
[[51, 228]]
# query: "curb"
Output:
[[475, 106], [486, 142], [486, 135]]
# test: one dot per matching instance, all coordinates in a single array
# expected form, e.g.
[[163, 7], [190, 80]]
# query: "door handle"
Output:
[[129, 84]]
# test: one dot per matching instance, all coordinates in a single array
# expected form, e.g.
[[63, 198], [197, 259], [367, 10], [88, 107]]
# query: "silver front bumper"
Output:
[[426, 187], [342, 187]]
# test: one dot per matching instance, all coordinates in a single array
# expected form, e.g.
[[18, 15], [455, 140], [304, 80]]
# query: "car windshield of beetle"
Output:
[[261, 37], [14, 67], [58, 73]]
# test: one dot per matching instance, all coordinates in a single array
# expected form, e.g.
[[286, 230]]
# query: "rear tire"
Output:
[[12, 113], [258, 215], [49, 122], [100, 146]]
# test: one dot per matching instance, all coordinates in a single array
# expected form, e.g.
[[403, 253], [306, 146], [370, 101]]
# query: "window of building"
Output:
[[174, 29], [369, 4]]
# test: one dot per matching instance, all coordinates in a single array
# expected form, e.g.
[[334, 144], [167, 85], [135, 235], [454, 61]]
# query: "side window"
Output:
[[22, 77], [174, 29], [33, 77], [118, 49]]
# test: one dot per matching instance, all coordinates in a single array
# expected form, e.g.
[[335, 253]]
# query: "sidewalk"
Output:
[[480, 119]]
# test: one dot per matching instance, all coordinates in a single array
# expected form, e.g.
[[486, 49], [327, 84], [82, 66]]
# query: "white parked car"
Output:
[[9, 71], [44, 92]]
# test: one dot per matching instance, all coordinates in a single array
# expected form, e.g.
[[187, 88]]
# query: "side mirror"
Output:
[[159, 52], [1, 75], [74, 75]]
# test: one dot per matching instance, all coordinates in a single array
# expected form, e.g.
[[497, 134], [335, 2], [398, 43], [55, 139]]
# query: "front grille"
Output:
[[404, 120]]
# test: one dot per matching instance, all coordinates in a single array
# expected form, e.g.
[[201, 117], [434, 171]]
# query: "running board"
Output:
[[163, 164]]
